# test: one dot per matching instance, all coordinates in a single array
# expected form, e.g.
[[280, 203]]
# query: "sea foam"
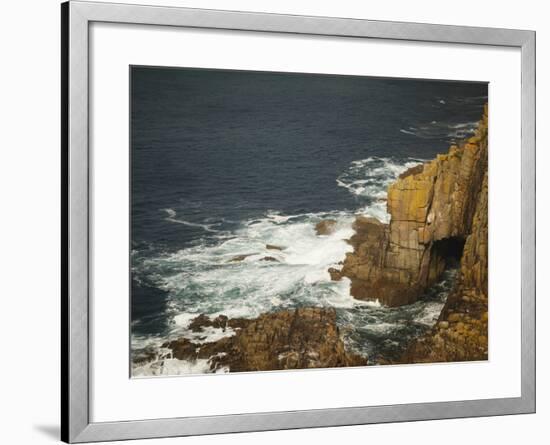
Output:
[[239, 276]]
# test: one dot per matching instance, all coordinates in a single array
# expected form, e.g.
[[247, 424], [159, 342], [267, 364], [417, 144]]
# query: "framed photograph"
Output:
[[275, 222]]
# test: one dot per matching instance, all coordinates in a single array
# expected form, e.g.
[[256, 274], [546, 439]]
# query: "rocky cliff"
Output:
[[461, 334], [438, 217], [290, 339]]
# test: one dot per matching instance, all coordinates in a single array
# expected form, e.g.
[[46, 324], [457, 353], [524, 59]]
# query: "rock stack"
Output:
[[436, 211]]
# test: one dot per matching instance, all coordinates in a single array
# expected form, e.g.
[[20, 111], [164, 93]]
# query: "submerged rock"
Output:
[[182, 349], [290, 339], [202, 321], [144, 355], [269, 258], [335, 274], [199, 322], [273, 247], [238, 258], [325, 227], [433, 212]]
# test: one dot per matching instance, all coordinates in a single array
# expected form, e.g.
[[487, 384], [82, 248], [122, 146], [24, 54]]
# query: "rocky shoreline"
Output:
[[439, 215], [439, 219], [288, 339]]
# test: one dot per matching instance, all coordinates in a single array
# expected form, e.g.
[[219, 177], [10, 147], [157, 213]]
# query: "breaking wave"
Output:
[[368, 179], [442, 130], [172, 218], [278, 261]]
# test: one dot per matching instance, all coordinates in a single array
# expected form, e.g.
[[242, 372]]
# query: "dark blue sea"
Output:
[[225, 163]]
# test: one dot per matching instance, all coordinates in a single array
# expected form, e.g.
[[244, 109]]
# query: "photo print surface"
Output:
[[286, 221]]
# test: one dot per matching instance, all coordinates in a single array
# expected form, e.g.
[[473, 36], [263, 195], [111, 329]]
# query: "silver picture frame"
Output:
[[75, 395]]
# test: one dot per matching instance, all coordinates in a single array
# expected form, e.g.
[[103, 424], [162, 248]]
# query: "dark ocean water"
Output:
[[224, 162]]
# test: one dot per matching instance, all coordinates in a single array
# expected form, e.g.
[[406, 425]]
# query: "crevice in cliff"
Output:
[[450, 250], [442, 254]]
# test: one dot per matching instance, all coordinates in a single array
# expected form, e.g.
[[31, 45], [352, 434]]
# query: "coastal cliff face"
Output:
[[461, 333], [290, 339], [438, 217]]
